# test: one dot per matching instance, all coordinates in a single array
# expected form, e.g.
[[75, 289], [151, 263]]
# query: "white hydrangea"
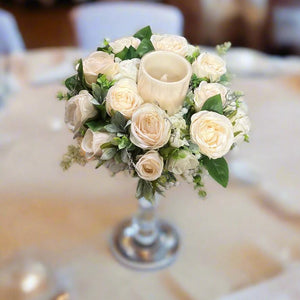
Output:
[[241, 124], [178, 124]]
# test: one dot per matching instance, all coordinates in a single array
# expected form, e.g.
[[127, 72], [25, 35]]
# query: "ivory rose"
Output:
[[79, 109], [169, 42], [99, 62], [186, 161], [207, 90], [120, 44], [150, 166], [92, 142], [209, 65], [150, 127], [128, 69], [212, 132], [123, 97]]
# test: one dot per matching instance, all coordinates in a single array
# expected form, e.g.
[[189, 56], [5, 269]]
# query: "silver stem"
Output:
[[145, 223], [144, 242]]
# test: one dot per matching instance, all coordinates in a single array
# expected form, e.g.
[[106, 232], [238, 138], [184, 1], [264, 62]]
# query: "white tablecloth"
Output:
[[237, 237]]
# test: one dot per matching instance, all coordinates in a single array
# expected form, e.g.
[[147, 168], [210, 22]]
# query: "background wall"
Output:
[[267, 25]]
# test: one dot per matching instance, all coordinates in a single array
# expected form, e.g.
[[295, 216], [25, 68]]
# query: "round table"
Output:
[[233, 239]]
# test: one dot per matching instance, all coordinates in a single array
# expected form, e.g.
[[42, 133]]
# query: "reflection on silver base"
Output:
[[130, 253]]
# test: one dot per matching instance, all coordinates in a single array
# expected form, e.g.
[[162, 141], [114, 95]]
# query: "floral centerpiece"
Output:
[[156, 107], [117, 128]]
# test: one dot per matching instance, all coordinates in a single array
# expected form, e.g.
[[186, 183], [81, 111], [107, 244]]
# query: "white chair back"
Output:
[[10, 37], [96, 21]]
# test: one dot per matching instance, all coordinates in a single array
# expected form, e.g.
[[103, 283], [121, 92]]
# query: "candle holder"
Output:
[[145, 242], [164, 79]]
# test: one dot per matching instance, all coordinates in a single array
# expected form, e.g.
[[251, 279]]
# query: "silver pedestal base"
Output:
[[130, 253]]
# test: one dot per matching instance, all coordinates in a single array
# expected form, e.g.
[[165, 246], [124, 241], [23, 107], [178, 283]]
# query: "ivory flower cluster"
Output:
[[116, 127]]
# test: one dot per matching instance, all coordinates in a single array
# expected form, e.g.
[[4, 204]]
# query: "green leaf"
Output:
[[71, 83], [217, 169], [103, 86], [104, 82], [76, 83], [246, 138], [237, 133], [95, 102], [106, 47], [108, 153], [230, 114], [195, 81], [139, 189], [96, 125], [167, 152], [97, 92], [202, 193], [190, 59], [124, 156], [144, 47], [124, 143], [214, 103], [111, 128], [102, 110], [132, 147], [107, 145], [122, 54], [116, 141], [144, 33], [193, 57], [81, 74], [145, 189], [132, 53], [127, 53], [198, 184], [119, 120], [117, 158], [99, 163], [61, 96]]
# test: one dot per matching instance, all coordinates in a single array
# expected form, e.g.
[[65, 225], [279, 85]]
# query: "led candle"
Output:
[[164, 79]]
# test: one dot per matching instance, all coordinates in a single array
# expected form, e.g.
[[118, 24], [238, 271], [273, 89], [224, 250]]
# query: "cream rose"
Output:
[[120, 44], [123, 97], [212, 132], [92, 142], [150, 166], [186, 161], [99, 63], [169, 42], [79, 109], [128, 69], [207, 90], [150, 127], [209, 65]]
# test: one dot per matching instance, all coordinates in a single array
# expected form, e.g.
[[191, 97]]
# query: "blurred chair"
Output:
[[242, 22], [96, 21], [10, 37]]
